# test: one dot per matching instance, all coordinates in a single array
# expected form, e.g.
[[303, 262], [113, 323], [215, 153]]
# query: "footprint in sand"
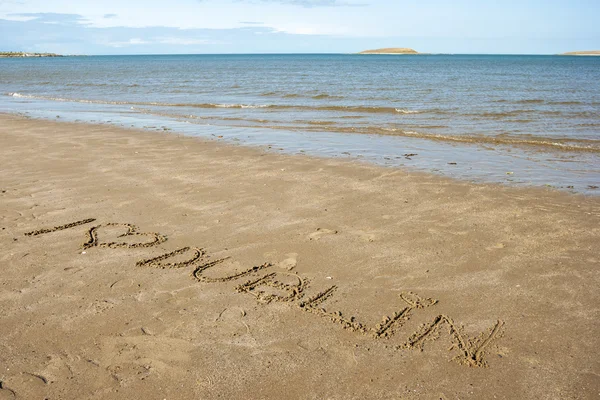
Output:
[[320, 232], [131, 358], [289, 263], [365, 236], [101, 306]]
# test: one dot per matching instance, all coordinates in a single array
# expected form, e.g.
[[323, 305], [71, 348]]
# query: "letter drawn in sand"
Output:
[[318, 298], [267, 288], [472, 350], [92, 237], [293, 291], [198, 272], [311, 306], [60, 227], [386, 328], [389, 325], [157, 262]]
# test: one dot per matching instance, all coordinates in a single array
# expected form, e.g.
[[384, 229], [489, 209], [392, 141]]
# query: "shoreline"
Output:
[[429, 153], [118, 320], [273, 149]]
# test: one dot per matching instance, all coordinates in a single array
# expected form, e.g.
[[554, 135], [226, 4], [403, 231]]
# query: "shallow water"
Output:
[[527, 120]]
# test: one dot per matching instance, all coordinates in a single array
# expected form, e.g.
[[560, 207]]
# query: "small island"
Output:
[[15, 54], [391, 50], [582, 53]]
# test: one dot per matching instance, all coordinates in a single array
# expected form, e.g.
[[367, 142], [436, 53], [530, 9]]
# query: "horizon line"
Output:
[[292, 53]]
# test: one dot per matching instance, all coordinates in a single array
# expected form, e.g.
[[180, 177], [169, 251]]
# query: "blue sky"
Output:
[[298, 26]]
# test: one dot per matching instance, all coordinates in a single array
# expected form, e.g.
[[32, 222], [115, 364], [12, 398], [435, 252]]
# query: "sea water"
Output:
[[520, 120]]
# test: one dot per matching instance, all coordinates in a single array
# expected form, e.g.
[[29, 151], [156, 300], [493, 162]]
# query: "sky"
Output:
[[298, 26]]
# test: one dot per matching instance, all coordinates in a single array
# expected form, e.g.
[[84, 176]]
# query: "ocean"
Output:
[[516, 120]]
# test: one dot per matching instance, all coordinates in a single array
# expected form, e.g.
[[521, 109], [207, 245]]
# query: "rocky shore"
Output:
[[15, 54]]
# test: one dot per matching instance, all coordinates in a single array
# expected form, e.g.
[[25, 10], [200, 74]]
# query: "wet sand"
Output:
[[147, 265]]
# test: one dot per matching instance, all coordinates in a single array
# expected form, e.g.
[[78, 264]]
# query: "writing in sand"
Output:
[[268, 286]]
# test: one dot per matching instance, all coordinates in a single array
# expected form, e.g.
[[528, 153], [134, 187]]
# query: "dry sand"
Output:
[[368, 282]]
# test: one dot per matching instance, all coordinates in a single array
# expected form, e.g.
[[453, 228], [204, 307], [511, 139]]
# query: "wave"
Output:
[[547, 143], [210, 105], [319, 96], [136, 103], [328, 124], [326, 96], [541, 101], [87, 84], [530, 101], [564, 144], [340, 108], [402, 111], [528, 112], [550, 144], [320, 123], [589, 125], [566, 103], [502, 114], [561, 144], [360, 109], [199, 117]]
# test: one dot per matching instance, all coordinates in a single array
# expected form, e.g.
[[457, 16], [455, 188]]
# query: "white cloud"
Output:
[[168, 40], [130, 42], [310, 29], [306, 3], [117, 26], [184, 41]]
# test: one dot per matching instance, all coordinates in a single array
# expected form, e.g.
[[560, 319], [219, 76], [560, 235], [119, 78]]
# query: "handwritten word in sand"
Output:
[[277, 286]]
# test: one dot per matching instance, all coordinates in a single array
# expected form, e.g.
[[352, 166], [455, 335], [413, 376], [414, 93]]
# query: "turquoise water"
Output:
[[524, 120]]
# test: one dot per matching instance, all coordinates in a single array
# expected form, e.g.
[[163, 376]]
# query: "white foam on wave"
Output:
[[30, 96], [403, 111], [238, 106], [18, 95], [86, 101], [256, 106]]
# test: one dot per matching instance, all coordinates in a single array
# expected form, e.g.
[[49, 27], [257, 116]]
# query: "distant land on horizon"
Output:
[[26, 54], [382, 51], [391, 50], [582, 53]]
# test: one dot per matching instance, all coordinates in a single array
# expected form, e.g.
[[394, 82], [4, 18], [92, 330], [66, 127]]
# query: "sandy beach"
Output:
[[139, 264]]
